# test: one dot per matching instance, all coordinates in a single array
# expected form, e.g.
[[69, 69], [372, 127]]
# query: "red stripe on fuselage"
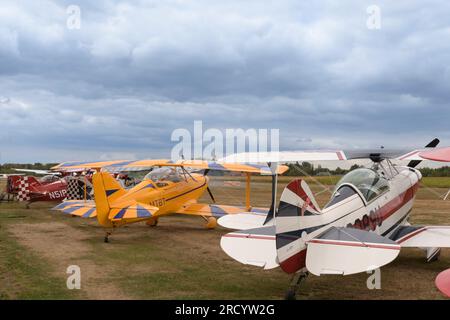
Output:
[[249, 236], [356, 244]]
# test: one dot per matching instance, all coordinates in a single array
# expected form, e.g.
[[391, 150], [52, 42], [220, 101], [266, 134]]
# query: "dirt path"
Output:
[[61, 246]]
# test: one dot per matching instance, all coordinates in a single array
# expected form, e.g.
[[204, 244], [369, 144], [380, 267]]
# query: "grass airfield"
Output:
[[180, 259]]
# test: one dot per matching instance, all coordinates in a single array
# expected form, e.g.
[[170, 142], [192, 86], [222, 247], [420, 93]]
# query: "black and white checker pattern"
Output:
[[24, 190], [75, 189]]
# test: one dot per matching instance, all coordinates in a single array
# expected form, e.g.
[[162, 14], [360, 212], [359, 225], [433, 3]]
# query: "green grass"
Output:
[[179, 259], [24, 275]]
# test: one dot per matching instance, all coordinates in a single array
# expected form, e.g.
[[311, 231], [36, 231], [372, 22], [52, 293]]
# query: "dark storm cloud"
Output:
[[136, 71]]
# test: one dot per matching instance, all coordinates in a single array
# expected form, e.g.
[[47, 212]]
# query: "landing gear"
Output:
[[107, 236], [27, 205], [433, 254], [152, 222], [295, 283], [211, 223]]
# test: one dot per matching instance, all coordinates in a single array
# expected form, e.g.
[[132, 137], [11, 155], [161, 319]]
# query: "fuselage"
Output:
[[168, 196], [381, 208]]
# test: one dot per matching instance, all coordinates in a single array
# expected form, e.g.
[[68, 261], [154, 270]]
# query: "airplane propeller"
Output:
[[432, 144]]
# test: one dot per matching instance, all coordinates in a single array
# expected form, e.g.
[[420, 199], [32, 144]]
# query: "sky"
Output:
[[328, 74]]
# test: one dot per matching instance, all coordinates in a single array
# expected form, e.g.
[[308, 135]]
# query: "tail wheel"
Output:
[[152, 222], [211, 223]]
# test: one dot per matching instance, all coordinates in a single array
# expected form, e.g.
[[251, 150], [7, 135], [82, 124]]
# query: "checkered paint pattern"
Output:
[[75, 189], [24, 192]]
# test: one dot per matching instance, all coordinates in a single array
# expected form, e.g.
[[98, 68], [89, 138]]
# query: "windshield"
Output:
[[163, 174], [367, 181]]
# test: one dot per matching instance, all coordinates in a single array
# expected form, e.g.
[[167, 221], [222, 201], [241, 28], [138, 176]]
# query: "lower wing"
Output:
[[218, 211], [422, 236]]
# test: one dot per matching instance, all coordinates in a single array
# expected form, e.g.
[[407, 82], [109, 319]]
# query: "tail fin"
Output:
[[296, 209], [106, 190], [297, 199], [23, 187]]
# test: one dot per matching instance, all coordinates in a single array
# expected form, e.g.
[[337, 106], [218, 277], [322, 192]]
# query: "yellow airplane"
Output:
[[168, 189]]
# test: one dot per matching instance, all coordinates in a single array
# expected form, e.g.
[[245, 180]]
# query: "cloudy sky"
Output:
[[322, 73]]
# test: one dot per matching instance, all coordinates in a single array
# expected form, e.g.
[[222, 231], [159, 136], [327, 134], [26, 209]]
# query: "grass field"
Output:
[[179, 259]]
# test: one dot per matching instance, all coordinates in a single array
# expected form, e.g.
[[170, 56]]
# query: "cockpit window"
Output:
[[367, 181], [163, 174], [49, 178]]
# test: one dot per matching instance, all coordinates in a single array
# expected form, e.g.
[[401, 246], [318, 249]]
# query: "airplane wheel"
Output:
[[290, 295], [152, 222], [212, 223]]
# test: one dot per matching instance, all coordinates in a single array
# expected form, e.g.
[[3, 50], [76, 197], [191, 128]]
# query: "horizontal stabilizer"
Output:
[[254, 247], [244, 221], [347, 251], [422, 237], [216, 210], [84, 209]]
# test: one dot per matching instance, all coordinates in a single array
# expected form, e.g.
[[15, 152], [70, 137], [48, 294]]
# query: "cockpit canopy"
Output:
[[49, 179], [369, 182], [163, 174]]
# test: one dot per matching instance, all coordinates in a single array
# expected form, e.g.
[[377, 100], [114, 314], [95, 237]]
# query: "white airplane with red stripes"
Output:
[[362, 227]]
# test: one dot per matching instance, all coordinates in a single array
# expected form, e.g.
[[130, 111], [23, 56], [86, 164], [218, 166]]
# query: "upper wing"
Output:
[[215, 210], [254, 247], [437, 154], [85, 209], [311, 155], [83, 165], [347, 251], [44, 172], [422, 236], [122, 165], [196, 164]]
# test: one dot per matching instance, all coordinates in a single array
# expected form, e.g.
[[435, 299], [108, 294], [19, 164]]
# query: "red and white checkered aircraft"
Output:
[[362, 227]]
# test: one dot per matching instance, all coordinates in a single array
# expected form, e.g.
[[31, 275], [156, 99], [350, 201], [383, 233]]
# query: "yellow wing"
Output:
[[134, 211], [217, 211], [121, 165]]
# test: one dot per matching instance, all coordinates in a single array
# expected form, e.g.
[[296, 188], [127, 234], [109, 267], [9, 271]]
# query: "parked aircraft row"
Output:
[[362, 227]]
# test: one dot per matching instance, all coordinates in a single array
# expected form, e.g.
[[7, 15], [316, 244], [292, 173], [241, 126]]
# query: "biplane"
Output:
[[362, 227], [54, 186], [169, 188]]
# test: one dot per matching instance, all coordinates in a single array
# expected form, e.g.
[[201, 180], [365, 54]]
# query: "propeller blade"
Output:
[[432, 144]]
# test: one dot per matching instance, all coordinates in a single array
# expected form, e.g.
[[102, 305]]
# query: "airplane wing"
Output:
[[217, 211], [325, 155], [247, 220], [347, 251], [438, 154], [422, 236], [195, 164], [72, 166], [80, 208], [253, 247], [122, 165], [43, 172]]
